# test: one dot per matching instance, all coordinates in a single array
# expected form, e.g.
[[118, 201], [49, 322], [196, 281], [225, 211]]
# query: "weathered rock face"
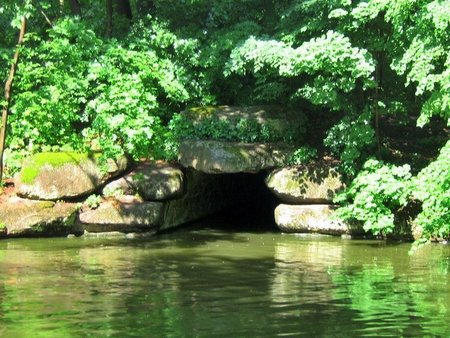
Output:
[[56, 176], [216, 157], [152, 181], [205, 195], [311, 218], [315, 183], [21, 217], [113, 215]]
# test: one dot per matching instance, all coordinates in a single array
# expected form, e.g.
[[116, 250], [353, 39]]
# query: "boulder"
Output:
[[316, 218], [151, 181], [56, 176], [217, 157], [20, 218], [308, 184], [206, 194], [123, 216], [280, 122]]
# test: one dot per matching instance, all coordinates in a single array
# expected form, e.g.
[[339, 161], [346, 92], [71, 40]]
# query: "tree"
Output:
[[124, 9], [8, 87], [75, 7]]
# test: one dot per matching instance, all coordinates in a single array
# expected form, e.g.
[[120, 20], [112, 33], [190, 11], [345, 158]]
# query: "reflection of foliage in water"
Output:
[[395, 299]]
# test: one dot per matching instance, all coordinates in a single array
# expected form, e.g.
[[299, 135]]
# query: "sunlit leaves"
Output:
[[78, 90], [335, 64], [432, 188], [375, 195]]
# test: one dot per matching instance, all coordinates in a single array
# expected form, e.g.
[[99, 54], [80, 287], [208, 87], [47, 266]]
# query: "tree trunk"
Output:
[[8, 87], [145, 7], [378, 80], [109, 11], [75, 7], [124, 8]]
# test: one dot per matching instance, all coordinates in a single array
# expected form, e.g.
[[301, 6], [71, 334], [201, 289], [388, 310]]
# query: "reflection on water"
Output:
[[219, 283]]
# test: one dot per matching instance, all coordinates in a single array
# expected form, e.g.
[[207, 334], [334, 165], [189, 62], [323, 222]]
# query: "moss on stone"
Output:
[[45, 205], [204, 111], [34, 164]]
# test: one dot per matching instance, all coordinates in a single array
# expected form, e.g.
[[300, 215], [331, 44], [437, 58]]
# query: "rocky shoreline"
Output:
[[152, 197], [61, 194]]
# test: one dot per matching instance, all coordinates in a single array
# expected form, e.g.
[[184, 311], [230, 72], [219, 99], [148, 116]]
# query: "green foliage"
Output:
[[51, 88], [380, 190], [113, 192], [432, 188], [422, 31], [303, 155], [349, 139], [330, 65], [93, 201], [375, 195], [93, 93], [243, 130]]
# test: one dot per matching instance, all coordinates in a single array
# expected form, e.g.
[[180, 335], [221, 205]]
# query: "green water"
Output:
[[218, 283]]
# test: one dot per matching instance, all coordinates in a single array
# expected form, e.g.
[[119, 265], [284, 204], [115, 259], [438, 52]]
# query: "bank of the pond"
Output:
[[66, 193], [149, 197]]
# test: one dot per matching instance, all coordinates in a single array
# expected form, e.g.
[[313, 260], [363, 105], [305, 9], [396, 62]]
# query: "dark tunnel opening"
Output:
[[251, 207]]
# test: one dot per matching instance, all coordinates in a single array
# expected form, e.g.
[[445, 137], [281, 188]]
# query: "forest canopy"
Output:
[[371, 77]]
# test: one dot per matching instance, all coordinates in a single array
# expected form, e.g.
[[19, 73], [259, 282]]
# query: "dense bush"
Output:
[[94, 93]]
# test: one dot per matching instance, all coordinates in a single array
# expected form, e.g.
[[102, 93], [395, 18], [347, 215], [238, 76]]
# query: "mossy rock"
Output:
[[26, 218], [278, 123], [259, 114], [65, 175]]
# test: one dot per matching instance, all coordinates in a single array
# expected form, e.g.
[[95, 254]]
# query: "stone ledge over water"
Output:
[[219, 157]]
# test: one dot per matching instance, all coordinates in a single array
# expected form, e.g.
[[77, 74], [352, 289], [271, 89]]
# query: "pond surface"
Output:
[[221, 283]]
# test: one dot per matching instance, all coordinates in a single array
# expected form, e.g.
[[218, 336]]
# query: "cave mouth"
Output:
[[251, 206]]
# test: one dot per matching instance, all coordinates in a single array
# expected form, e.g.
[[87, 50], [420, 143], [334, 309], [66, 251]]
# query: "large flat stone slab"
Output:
[[217, 157], [114, 215], [57, 176], [315, 218], [307, 184], [152, 181], [25, 218]]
